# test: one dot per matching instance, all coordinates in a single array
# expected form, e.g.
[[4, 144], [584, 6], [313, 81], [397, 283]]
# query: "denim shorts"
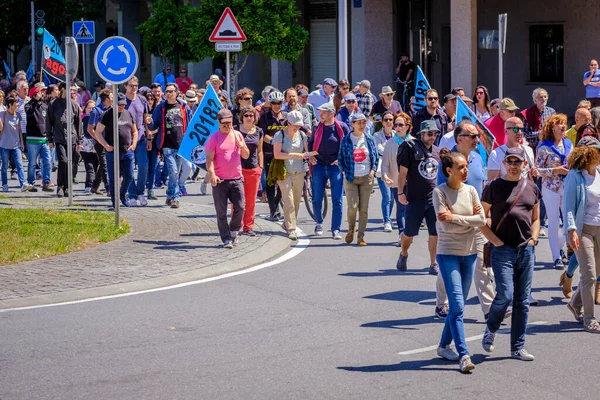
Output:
[[415, 212]]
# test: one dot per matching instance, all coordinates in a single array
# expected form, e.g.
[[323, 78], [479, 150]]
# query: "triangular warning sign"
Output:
[[227, 29], [83, 33]]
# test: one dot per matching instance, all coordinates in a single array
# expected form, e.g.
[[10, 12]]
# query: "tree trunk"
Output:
[[236, 73]]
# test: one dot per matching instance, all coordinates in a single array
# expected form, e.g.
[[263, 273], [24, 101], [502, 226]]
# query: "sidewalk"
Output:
[[165, 247]]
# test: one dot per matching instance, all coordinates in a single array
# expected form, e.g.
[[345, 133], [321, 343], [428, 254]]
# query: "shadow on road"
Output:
[[434, 364], [400, 323], [413, 296]]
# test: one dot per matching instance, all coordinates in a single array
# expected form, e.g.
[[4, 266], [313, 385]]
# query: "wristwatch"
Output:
[[535, 241]]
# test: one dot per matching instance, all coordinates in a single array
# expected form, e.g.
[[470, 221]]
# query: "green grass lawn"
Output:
[[32, 233]]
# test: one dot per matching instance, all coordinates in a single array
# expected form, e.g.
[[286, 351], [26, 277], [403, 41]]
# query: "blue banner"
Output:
[[203, 124], [486, 144], [421, 88], [29, 71], [7, 70], [53, 62]]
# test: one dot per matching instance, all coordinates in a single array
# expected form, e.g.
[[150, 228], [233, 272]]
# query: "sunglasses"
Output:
[[473, 137], [276, 103], [478, 93], [225, 123], [388, 94], [516, 129], [247, 98], [248, 115], [345, 88], [514, 162], [351, 101], [133, 85], [430, 134], [169, 91], [388, 120], [400, 125], [432, 98]]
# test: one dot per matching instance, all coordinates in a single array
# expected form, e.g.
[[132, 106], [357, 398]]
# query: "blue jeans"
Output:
[[457, 273], [126, 170], [542, 205], [171, 167], [5, 154], [43, 150], [386, 200], [320, 174], [513, 270], [400, 210], [141, 158], [152, 167]]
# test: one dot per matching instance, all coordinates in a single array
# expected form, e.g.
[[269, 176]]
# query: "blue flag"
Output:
[[29, 71], [486, 144], [203, 124], [421, 88], [53, 62], [7, 70]]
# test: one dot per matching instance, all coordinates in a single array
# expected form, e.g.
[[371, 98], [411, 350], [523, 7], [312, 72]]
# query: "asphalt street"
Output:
[[334, 322]]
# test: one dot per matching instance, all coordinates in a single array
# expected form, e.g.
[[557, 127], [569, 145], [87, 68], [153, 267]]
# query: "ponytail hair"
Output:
[[448, 158]]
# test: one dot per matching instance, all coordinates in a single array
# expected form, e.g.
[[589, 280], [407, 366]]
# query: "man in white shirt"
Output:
[[513, 128]]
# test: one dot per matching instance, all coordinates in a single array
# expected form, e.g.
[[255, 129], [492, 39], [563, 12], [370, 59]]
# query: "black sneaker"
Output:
[[434, 269], [59, 193], [33, 189], [558, 264], [564, 257], [441, 312], [402, 263]]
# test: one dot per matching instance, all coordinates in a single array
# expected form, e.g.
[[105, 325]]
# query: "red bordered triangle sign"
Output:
[[227, 29]]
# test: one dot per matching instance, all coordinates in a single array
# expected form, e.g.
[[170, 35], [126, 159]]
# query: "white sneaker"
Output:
[[336, 235], [319, 230], [488, 340], [87, 190], [142, 199], [543, 232], [522, 355], [132, 202], [26, 187], [5, 188], [387, 227], [292, 235], [466, 365], [203, 188], [448, 353]]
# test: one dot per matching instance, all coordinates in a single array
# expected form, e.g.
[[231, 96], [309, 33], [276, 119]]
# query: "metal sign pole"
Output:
[[501, 49], [117, 175], [33, 63], [228, 76], [69, 119]]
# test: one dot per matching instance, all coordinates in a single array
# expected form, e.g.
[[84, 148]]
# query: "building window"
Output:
[[546, 53]]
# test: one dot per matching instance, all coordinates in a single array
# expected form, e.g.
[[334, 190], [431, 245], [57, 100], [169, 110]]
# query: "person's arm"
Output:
[[278, 154], [535, 223], [261, 155], [134, 137], [478, 217], [570, 209], [402, 173], [100, 138], [588, 80], [409, 75], [78, 127], [241, 144], [210, 167], [487, 231], [1, 124], [21, 141], [386, 164], [49, 124]]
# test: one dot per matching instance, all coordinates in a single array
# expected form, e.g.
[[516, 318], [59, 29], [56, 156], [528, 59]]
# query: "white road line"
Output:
[[300, 246], [469, 339]]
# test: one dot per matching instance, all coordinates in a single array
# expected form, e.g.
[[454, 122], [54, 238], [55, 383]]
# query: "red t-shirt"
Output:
[[496, 127], [227, 160], [184, 84]]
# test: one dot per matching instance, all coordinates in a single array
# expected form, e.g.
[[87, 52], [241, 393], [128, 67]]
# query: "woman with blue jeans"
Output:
[[381, 138], [11, 143], [459, 213]]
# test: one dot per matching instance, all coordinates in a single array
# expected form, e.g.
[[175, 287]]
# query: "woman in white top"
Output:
[[459, 213], [481, 103], [11, 143], [381, 138]]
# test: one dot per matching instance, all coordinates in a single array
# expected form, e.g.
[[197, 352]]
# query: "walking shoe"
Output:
[[448, 353], [566, 282], [319, 230], [54, 167], [183, 191], [336, 235], [507, 314], [47, 188], [488, 340], [441, 312], [132, 202], [524, 355], [592, 327], [38, 174], [578, 315], [59, 192], [26, 187], [203, 188], [151, 195], [128, 203], [5, 188], [75, 181], [279, 217], [361, 242], [434, 269], [159, 185], [292, 235], [142, 199], [33, 189], [95, 190], [558, 264], [402, 263], [349, 237], [107, 193], [564, 257], [168, 202], [272, 218], [249, 232], [228, 244], [87, 190], [13, 175], [543, 232], [466, 365], [174, 203], [532, 301], [387, 227], [235, 237]]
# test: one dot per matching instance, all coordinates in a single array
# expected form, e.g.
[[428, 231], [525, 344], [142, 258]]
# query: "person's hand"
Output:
[[79, 147], [335, 162], [108, 147], [388, 181], [313, 160], [402, 198], [132, 147], [476, 209], [22, 147], [148, 146], [148, 120], [562, 170], [533, 172], [214, 180], [444, 216], [573, 240], [371, 174], [51, 145]]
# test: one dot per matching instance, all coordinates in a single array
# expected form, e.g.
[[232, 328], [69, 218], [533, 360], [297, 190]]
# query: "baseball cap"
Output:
[[386, 90], [428, 126], [326, 107], [330, 82], [449, 97], [515, 152], [302, 93], [358, 117], [98, 84], [365, 83], [294, 118], [508, 104], [466, 99], [34, 91], [224, 113], [589, 141], [122, 99], [350, 96], [190, 96]]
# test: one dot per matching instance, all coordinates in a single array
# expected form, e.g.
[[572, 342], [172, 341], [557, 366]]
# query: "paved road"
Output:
[[327, 324]]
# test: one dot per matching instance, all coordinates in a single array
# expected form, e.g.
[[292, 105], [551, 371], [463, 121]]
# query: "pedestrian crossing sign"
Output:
[[84, 32]]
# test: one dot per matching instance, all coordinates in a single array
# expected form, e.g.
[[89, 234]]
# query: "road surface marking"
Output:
[[469, 339]]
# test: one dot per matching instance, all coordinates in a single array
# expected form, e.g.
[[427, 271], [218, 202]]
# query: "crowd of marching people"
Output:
[[484, 211]]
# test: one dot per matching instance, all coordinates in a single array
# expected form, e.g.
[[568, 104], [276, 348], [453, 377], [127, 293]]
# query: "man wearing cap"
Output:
[[432, 112], [223, 163], [291, 98], [419, 161], [514, 205], [192, 100], [364, 98], [450, 110], [217, 84], [139, 109], [387, 103], [165, 77], [303, 101], [536, 117], [170, 118], [506, 109], [183, 80], [326, 141], [37, 141], [323, 95], [349, 108], [105, 100], [98, 87], [513, 129]]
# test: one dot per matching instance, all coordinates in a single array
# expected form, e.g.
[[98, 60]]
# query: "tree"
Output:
[[15, 16], [271, 27]]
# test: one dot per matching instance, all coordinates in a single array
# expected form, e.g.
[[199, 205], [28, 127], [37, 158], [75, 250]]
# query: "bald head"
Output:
[[512, 122], [582, 117], [513, 139]]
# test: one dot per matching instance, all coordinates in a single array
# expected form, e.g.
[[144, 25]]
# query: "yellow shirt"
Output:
[[572, 135]]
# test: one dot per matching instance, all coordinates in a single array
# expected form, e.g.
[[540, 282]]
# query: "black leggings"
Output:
[[273, 193]]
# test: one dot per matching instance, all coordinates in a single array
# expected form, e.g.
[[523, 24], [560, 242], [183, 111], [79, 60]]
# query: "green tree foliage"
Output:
[[271, 28], [15, 16]]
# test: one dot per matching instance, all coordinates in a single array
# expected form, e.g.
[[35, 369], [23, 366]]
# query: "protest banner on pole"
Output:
[[486, 144], [421, 88]]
